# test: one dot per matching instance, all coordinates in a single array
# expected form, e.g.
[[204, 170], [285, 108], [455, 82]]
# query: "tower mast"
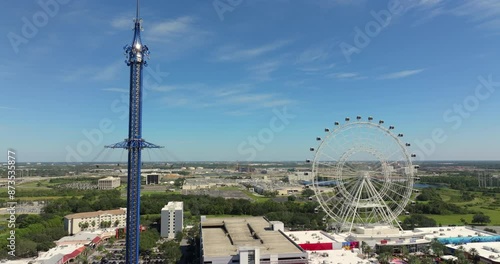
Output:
[[136, 59]]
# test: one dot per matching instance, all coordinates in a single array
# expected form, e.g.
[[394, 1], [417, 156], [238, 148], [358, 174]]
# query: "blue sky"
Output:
[[223, 72]]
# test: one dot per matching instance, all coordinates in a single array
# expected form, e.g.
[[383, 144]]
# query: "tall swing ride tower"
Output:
[[136, 59]]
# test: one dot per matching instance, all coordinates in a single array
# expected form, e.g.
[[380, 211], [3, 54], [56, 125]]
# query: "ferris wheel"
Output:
[[362, 174]]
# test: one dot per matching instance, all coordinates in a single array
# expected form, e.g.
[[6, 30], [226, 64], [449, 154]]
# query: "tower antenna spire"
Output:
[[137, 14]]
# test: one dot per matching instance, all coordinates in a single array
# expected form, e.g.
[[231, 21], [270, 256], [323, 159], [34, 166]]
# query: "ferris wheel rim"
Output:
[[408, 175]]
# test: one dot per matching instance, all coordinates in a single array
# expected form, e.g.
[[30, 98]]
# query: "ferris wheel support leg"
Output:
[[358, 194]]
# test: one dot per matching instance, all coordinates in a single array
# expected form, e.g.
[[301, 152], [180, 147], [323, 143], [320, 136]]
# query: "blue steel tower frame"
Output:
[[136, 60]]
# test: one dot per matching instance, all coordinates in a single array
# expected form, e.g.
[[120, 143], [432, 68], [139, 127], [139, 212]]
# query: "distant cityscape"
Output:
[[199, 229]]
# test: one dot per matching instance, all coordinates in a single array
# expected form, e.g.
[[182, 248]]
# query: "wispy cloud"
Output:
[[318, 68], [176, 37], [315, 53], [485, 13], [174, 27], [334, 3], [162, 88], [116, 90], [122, 22], [108, 73], [262, 71], [238, 99], [400, 74], [345, 75], [230, 53], [8, 108], [177, 101]]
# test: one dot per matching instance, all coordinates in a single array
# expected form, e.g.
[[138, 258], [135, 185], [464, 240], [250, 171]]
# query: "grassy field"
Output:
[[480, 203]]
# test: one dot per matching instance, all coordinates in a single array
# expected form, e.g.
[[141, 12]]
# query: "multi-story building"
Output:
[[152, 179], [172, 219], [75, 223], [247, 240], [108, 183]]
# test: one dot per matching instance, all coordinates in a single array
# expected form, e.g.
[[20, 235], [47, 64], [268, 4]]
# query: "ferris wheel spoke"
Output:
[[386, 214], [389, 189], [354, 185], [332, 149], [393, 211]]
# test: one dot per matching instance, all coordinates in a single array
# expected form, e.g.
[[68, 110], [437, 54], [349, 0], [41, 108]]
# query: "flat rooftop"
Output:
[[54, 255], [174, 206], [306, 237], [223, 237], [336, 257], [120, 211], [489, 250], [455, 231]]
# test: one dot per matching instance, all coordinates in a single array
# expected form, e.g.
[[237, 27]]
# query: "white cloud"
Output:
[[318, 68], [116, 90], [162, 88], [174, 27], [345, 75], [232, 100], [316, 53], [400, 74], [229, 53], [177, 101], [175, 37], [8, 108], [110, 72], [262, 71], [485, 13], [122, 22]]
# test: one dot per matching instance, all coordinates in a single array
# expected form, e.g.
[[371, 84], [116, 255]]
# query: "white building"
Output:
[[247, 240], [75, 223], [172, 219], [108, 183]]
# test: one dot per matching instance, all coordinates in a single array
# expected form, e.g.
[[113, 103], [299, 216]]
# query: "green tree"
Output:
[[480, 219], [170, 251], [25, 248], [307, 192], [291, 198], [437, 248], [367, 250], [147, 240], [384, 258], [178, 236]]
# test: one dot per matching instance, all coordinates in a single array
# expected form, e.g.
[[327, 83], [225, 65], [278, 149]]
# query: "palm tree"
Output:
[[459, 253], [437, 248], [475, 255], [365, 248], [384, 258], [412, 259], [405, 252]]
